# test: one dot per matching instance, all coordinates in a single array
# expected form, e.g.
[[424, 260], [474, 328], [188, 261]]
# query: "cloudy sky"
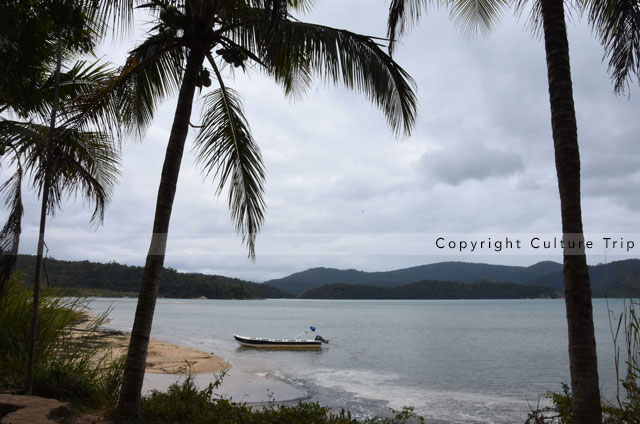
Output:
[[343, 192]]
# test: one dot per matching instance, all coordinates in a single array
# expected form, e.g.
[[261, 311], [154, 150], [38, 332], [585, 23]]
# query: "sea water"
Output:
[[454, 361]]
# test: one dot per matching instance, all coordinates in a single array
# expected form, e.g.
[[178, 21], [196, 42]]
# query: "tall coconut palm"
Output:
[[71, 162], [19, 132], [618, 24], [188, 50], [68, 26]]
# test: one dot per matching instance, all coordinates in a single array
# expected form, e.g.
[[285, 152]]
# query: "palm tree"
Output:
[[191, 44], [61, 157], [618, 25], [71, 162], [19, 137]]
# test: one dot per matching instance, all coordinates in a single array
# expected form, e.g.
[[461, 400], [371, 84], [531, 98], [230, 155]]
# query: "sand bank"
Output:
[[168, 358], [162, 357]]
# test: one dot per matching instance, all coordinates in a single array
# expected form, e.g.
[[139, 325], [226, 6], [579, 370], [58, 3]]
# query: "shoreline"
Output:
[[169, 363]]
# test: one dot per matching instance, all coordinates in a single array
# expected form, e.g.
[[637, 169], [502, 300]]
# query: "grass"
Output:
[[626, 408], [69, 360]]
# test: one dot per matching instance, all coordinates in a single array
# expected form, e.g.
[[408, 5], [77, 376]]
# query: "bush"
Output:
[[626, 409], [67, 364], [185, 403]]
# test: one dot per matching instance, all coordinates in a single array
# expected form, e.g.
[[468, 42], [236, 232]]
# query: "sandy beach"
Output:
[[168, 358], [168, 363]]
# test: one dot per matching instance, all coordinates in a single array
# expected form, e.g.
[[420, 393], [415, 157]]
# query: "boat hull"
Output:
[[262, 343]]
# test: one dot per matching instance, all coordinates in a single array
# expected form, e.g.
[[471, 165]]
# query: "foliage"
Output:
[[626, 409], [123, 278], [431, 290], [185, 402], [559, 413], [69, 366], [29, 30]]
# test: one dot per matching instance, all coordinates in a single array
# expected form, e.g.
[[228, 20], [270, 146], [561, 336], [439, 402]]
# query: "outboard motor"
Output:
[[321, 339]]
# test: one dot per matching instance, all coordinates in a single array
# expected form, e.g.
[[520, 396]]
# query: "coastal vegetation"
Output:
[[113, 279], [625, 331], [62, 151], [68, 365], [185, 402]]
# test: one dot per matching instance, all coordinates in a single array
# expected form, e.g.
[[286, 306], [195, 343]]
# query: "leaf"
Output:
[[357, 61], [10, 234], [617, 23], [226, 149]]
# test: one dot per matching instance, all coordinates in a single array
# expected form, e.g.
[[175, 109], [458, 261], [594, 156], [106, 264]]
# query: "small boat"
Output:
[[295, 343]]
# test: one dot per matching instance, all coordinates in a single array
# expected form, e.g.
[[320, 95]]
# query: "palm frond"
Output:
[[291, 70], [534, 21], [129, 99], [81, 78], [617, 23], [473, 16], [357, 61], [227, 151], [403, 13], [20, 137], [83, 163], [302, 6], [115, 14], [10, 234]]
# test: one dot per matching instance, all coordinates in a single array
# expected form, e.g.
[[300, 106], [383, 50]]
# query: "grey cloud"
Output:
[[483, 132], [469, 162]]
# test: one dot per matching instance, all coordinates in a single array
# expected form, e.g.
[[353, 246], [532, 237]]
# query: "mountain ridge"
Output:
[[614, 279], [464, 272]]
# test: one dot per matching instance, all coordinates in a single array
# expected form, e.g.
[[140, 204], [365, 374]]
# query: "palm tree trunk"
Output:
[[130, 393], [582, 344], [43, 220]]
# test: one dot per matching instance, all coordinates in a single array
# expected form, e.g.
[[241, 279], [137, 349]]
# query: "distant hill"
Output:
[[615, 279], [463, 272], [444, 280], [123, 278], [431, 290]]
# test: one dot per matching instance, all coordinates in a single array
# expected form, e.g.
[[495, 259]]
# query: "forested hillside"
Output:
[[464, 272], [123, 278], [432, 290]]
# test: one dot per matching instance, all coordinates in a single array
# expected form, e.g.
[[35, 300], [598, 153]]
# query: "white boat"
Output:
[[294, 343]]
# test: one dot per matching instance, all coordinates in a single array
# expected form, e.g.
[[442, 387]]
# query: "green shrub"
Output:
[[186, 403], [66, 363], [626, 409]]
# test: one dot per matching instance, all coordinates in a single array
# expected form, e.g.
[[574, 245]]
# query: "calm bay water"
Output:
[[455, 361]]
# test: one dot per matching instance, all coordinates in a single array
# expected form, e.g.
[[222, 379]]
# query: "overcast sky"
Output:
[[343, 192]]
